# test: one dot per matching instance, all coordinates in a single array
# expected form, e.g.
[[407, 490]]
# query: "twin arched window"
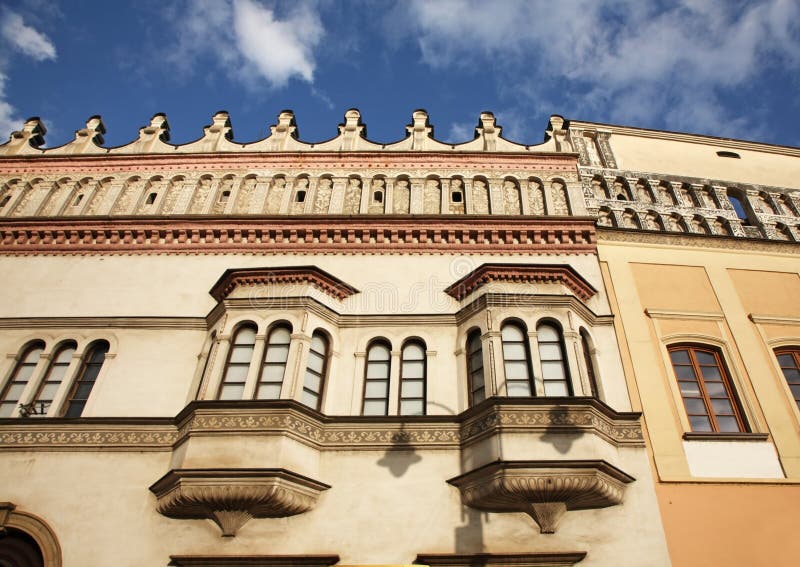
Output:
[[377, 378], [11, 401], [272, 371]]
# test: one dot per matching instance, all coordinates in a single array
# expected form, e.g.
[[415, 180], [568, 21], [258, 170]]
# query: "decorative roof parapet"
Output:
[[528, 273], [218, 138], [312, 275]]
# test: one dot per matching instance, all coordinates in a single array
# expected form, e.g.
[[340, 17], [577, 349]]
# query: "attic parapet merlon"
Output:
[[27, 140], [218, 138]]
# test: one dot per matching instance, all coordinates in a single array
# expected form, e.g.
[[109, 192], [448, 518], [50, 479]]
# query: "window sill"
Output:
[[698, 436]]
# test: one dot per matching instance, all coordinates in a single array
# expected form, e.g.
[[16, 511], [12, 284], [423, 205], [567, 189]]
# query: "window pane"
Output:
[[695, 406], [241, 354], [512, 333], [245, 335], [705, 357], [65, 355], [477, 379], [795, 391], [679, 357], [374, 407], [786, 360], [476, 361], [478, 396], [516, 371], [728, 424], [268, 392], [90, 372], [711, 373], [549, 351], [75, 408], [318, 344], [514, 351], [376, 389], [316, 362], [700, 423], [413, 352], [24, 373], [685, 373], [231, 392], [236, 373], [412, 389], [310, 399], [413, 370], [412, 407], [15, 391], [8, 409], [722, 407], [518, 389], [378, 370], [716, 390], [312, 382], [48, 391], [555, 389], [280, 335], [56, 373], [553, 371], [277, 353], [33, 356], [547, 333], [689, 388], [792, 375], [378, 352], [273, 373]]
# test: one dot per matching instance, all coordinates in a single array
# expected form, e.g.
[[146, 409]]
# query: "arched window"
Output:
[[516, 361], [376, 379], [273, 367], [477, 384], [554, 364], [20, 378], [238, 365], [92, 362], [789, 361], [706, 388], [589, 362], [412, 379], [53, 378], [736, 199], [314, 381]]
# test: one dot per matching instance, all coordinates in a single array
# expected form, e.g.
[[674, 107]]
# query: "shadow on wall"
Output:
[[561, 432]]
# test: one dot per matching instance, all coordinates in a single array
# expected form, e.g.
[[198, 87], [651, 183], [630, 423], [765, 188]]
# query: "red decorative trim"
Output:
[[157, 163], [320, 279], [521, 273], [312, 235]]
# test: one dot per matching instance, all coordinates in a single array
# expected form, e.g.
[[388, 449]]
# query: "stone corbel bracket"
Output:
[[231, 497], [544, 490]]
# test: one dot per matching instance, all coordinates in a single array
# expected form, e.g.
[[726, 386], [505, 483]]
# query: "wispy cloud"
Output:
[[636, 57], [248, 40], [25, 40]]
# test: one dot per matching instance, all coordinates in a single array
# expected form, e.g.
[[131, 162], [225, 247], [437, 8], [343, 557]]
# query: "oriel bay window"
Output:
[[706, 389]]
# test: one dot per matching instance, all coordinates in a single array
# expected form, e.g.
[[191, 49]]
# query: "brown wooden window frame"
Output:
[[21, 363], [267, 381], [707, 399], [562, 361], [794, 352], [239, 328], [526, 358], [474, 338]]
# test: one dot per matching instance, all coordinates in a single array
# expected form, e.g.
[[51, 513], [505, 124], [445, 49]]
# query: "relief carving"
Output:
[[352, 197], [480, 197], [244, 198], [536, 196], [431, 197], [378, 197], [560, 199], [402, 197], [322, 199], [511, 198], [275, 195], [457, 204]]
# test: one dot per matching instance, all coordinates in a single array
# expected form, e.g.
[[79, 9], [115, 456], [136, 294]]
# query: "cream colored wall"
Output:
[[383, 508], [698, 158]]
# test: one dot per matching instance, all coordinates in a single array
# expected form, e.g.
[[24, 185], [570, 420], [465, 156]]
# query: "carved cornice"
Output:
[[253, 560], [289, 418], [521, 273], [684, 240], [544, 490], [231, 497], [188, 323], [279, 235], [312, 275], [540, 559]]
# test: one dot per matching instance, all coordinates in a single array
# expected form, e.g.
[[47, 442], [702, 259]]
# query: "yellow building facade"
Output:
[[353, 353]]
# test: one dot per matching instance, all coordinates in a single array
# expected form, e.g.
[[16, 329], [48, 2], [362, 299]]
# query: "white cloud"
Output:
[[460, 132], [26, 39], [249, 40], [638, 58]]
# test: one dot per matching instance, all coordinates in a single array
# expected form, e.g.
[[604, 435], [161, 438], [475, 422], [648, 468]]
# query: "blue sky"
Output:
[[729, 68]]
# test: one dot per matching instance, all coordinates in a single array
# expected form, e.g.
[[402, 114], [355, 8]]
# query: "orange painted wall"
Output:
[[709, 525]]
